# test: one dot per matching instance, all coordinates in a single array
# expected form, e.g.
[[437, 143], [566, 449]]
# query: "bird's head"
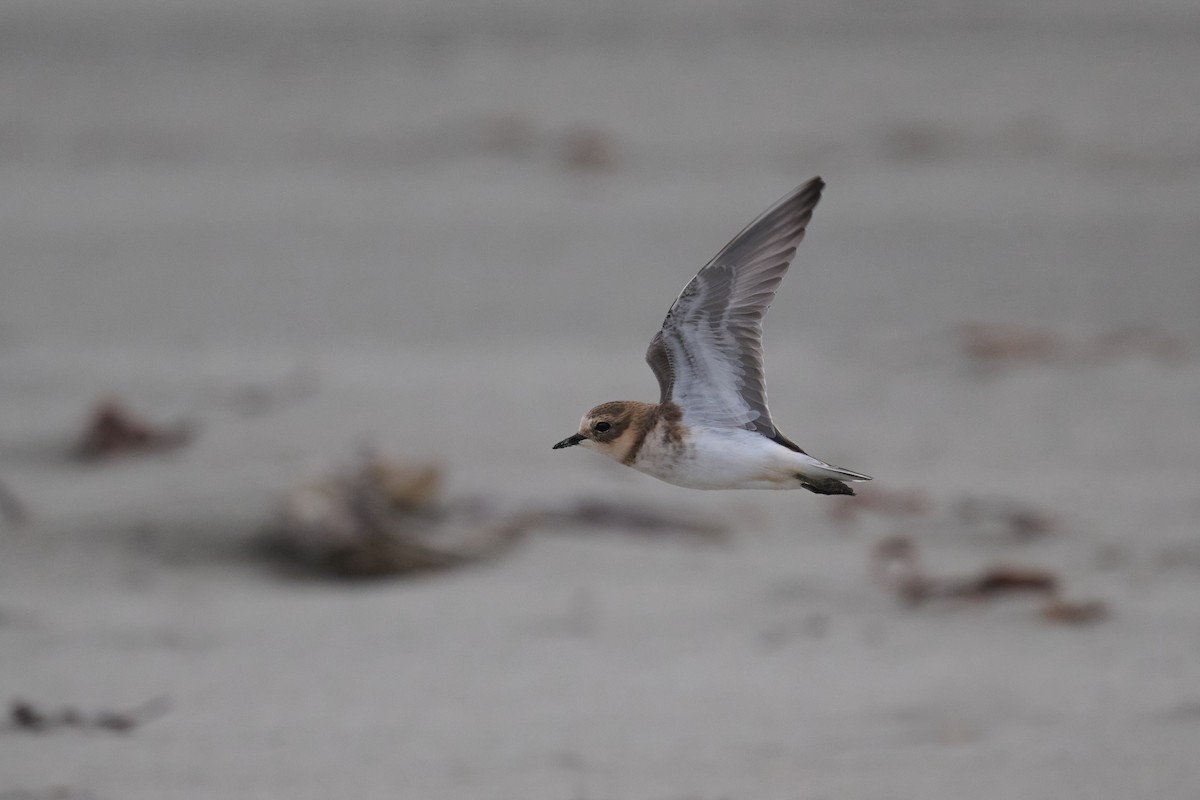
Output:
[[609, 428]]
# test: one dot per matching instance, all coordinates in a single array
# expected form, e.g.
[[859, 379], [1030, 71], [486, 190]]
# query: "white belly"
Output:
[[721, 459]]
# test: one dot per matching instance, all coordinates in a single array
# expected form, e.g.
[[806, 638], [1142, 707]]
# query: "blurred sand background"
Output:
[[457, 225]]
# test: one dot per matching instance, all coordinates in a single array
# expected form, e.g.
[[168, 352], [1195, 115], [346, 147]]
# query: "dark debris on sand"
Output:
[[991, 345], [26, 716], [896, 567], [1007, 516], [112, 430], [382, 518]]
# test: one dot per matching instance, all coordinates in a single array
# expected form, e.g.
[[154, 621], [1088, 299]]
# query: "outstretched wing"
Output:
[[708, 355]]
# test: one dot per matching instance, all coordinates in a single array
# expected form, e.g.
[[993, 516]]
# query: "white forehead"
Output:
[[585, 424]]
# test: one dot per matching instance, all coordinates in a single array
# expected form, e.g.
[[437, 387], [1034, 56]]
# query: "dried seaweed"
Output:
[[114, 430], [26, 716], [383, 518], [896, 566]]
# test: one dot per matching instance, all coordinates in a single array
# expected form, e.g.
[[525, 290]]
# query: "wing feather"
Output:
[[708, 354]]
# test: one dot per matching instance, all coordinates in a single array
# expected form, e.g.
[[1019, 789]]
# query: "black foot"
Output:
[[824, 485]]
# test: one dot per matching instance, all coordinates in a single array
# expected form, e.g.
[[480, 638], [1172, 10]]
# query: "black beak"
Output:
[[570, 441]]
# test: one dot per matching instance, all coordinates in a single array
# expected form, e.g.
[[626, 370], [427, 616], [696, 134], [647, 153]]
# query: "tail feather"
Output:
[[816, 470]]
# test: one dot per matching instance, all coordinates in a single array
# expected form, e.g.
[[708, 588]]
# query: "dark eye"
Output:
[[602, 426]]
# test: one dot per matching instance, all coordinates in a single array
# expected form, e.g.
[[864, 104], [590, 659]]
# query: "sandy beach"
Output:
[[442, 232]]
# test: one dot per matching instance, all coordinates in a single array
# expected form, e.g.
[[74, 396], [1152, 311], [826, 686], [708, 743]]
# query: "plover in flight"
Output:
[[711, 428]]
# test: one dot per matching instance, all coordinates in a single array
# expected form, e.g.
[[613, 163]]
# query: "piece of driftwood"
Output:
[[112, 429]]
